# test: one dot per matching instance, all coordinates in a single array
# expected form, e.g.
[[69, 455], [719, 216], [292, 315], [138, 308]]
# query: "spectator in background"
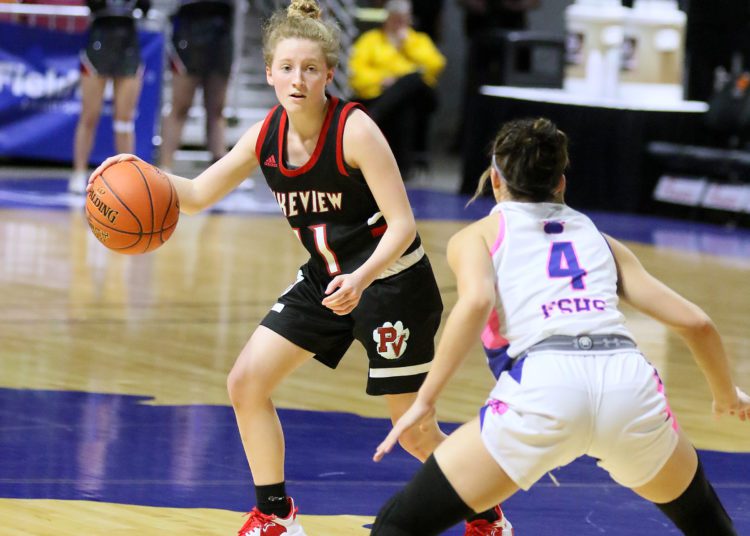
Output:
[[393, 72], [201, 56], [427, 15], [112, 53]]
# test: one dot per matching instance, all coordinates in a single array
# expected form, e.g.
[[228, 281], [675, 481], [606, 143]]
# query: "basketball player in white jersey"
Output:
[[574, 382]]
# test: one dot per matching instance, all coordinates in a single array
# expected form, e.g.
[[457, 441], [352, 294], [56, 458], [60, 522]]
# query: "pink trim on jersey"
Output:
[[500, 234], [498, 407], [660, 389], [491, 336]]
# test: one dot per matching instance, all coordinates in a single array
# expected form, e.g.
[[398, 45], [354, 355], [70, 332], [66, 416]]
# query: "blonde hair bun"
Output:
[[304, 8]]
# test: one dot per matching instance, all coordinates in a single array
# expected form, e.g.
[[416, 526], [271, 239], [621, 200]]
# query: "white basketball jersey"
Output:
[[555, 275]]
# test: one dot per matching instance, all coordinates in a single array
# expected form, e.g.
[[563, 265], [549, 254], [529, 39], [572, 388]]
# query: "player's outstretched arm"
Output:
[[468, 256], [652, 297], [212, 184], [221, 177]]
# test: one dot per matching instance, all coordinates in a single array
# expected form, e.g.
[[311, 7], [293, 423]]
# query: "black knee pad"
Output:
[[698, 511], [427, 506]]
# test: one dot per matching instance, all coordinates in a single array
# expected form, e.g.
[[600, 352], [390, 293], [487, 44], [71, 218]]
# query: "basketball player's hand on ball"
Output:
[[739, 409], [122, 157], [343, 293], [418, 412]]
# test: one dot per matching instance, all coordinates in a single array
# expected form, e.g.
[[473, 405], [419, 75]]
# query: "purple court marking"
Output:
[[113, 448]]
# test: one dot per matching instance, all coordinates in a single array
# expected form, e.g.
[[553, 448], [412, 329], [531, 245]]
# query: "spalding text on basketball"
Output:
[[108, 212]]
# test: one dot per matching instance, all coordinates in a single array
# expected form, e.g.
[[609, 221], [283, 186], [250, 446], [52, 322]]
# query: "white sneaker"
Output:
[[77, 182], [260, 524]]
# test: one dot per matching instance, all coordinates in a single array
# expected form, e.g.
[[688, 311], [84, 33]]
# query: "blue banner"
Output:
[[40, 98]]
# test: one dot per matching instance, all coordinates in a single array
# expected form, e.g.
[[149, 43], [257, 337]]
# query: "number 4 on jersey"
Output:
[[563, 262]]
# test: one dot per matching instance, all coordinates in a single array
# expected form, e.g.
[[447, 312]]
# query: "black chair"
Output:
[[519, 58]]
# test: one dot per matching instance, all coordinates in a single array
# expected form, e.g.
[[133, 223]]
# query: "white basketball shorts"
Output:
[[554, 406]]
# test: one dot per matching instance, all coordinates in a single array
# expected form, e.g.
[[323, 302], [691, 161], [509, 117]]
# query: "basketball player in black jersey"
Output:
[[113, 53], [368, 278]]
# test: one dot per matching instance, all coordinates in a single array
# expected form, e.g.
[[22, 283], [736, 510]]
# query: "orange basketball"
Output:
[[133, 207]]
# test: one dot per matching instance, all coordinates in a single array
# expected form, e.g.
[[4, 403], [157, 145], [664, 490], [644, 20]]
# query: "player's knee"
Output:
[[246, 386], [387, 521], [123, 126], [427, 506], [234, 385], [239, 386]]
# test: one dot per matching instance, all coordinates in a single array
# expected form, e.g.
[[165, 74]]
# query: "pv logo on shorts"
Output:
[[391, 339]]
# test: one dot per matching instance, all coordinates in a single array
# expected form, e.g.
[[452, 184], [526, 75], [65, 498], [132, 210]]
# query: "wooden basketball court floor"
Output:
[[114, 417]]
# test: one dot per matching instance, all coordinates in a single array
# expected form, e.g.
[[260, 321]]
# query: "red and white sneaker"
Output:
[[482, 527], [260, 524]]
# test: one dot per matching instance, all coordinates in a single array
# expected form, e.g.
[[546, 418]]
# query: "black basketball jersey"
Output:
[[328, 203]]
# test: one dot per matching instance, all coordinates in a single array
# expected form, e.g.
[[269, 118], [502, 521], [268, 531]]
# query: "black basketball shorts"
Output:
[[202, 45], [113, 50], [396, 321]]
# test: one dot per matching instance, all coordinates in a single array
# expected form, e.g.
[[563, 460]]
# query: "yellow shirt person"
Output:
[[382, 55]]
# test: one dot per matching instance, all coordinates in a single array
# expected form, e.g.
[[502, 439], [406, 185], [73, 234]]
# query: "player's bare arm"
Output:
[[212, 184], [652, 297], [366, 148], [468, 257], [222, 177]]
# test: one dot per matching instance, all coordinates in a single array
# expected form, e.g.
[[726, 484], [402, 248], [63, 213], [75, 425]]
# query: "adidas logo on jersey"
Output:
[[270, 162]]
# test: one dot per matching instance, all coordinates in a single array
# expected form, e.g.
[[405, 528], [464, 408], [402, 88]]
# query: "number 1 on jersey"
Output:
[[563, 262], [321, 244]]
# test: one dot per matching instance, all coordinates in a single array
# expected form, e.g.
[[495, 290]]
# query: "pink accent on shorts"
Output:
[[492, 339], [660, 389], [498, 407], [500, 234]]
